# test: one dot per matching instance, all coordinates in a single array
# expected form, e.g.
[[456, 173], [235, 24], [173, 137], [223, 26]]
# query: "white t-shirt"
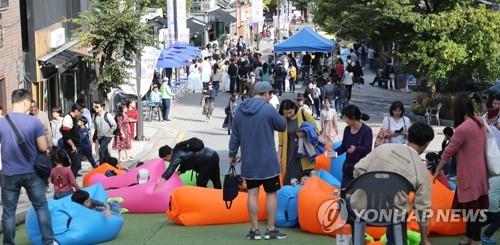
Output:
[[347, 78], [371, 53], [392, 125], [275, 101]]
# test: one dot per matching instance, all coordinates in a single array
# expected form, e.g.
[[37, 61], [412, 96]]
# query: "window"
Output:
[[4, 4]]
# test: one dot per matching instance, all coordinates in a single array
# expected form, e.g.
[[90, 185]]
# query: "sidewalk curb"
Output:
[[157, 135]]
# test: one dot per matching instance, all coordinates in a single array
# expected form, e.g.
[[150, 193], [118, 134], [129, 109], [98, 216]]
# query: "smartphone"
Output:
[[400, 130], [492, 113]]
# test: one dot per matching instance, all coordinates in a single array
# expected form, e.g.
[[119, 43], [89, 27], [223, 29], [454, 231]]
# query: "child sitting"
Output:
[[115, 163], [86, 143], [61, 176], [450, 167], [432, 160], [111, 207]]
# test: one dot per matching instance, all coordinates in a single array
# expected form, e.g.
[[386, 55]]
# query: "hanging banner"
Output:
[[257, 11], [149, 57]]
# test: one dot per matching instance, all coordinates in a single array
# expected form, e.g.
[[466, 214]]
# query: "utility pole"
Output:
[[140, 121], [278, 8]]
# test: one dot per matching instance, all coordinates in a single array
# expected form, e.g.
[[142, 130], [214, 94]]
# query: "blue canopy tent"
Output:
[[167, 61], [305, 40], [177, 55]]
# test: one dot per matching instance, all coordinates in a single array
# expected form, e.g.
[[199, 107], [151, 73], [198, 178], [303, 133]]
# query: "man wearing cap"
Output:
[[252, 130]]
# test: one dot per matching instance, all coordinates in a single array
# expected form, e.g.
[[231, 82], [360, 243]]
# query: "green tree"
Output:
[[113, 30], [448, 41], [461, 43]]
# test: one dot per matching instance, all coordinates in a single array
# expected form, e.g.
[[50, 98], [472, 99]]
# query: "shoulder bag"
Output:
[[43, 164], [381, 136], [492, 151], [230, 187]]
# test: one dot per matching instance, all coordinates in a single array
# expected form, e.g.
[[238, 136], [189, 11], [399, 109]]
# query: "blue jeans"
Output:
[[59, 195], [35, 187], [165, 108], [114, 207], [103, 148], [87, 152], [76, 160], [306, 72]]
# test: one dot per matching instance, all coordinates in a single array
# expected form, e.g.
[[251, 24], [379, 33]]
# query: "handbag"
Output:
[[492, 151], [43, 164], [230, 187], [381, 137]]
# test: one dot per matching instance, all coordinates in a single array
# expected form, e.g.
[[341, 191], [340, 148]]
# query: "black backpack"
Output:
[[117, 130], [350, 67]]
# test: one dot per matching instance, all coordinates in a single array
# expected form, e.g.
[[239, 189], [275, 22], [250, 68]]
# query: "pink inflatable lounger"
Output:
[[155, 168], [140, 198]]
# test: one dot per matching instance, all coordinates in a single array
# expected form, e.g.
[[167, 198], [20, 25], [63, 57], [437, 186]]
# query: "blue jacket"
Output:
[[312, 138], [253, 129]]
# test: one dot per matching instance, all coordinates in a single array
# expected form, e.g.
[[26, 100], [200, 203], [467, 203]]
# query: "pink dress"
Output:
[[134, 115], [122, 141], [328, 121]]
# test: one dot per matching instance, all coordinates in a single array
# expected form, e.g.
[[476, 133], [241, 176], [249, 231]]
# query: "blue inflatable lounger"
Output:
[[287, 209], [73, 223]]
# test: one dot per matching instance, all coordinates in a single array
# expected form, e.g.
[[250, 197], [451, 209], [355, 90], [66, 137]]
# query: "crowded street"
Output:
[[225, 122]]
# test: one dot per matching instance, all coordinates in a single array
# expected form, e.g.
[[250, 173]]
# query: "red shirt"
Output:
[[63, 179], [339, 70]]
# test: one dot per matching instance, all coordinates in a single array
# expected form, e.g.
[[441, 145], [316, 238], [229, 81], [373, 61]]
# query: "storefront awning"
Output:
[[222, 16], [60, 60], [195, 26], [159, 22]]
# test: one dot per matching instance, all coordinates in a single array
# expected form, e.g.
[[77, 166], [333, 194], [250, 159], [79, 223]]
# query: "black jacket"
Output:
[[189, 160], [232, 70]]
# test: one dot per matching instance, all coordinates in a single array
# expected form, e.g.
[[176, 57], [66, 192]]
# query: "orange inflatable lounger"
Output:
[[443, 221], [101, 169], [193, 206], [312, 196]]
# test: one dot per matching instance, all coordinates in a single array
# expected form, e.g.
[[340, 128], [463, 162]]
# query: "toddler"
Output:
[[111, 207], [61, 175]]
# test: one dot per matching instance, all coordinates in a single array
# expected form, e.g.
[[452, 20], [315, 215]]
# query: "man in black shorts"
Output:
[[253, 128]]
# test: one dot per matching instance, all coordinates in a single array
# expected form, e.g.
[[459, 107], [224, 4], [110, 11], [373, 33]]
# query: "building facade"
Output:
[[54, 65], [11, 56]]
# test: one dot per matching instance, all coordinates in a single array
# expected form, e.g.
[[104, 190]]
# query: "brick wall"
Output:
[[11, 52]]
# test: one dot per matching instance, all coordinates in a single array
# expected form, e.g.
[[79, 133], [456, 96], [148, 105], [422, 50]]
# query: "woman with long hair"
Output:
[[123, 141], [329, 125], [467, 144], [216, 77], [356, 142], [266, 73], [292, 166]]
